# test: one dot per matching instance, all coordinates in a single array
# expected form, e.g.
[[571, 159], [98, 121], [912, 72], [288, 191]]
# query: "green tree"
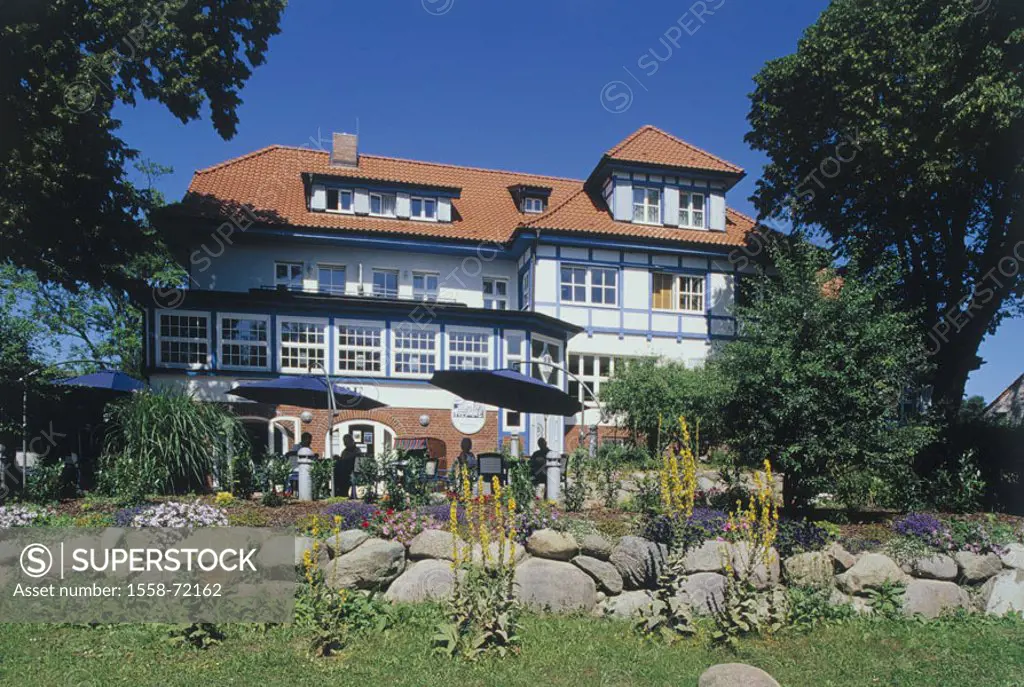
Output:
[[68, 211], [895, 132], [818, 376], [647, 391]]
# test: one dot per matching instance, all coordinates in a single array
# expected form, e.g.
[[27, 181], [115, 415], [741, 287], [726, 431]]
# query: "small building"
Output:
[[1009, 405], [384, 270]]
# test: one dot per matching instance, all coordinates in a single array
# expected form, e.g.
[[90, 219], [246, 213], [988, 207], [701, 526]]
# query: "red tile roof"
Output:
[[651, 145], [269, 183]]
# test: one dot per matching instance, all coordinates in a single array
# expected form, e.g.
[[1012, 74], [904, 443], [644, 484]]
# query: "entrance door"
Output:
[[372, 438]]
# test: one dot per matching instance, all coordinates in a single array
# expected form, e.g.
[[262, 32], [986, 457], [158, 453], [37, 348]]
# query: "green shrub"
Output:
[[45, 483], [811, 607]]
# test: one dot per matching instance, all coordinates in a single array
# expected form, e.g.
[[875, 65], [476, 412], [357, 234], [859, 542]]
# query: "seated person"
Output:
[[344, 468], [539, 465]]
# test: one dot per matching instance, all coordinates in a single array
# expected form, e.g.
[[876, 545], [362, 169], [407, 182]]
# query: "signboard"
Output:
[[468, 417]]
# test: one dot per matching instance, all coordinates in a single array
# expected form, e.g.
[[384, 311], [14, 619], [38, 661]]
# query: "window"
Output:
[[691, 210], [183, 339], [331, 279], [415, 351], [423, 208], [540, 350], [495, 293], [533, 205], [595, 285], [424, 286], [339, 200], [515, 344], [360, 348], [288, 275], [469, 351], [303, 343], [382, 204], [244, 342], [677, 292], [574, 284], [524, 284], [385, 283], [647, 205], [593, 370]]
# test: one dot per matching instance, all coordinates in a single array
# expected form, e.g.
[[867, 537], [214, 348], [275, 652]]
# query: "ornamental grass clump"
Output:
[[482, 611]]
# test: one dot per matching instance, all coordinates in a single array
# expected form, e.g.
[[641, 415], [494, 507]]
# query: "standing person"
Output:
[[539, 465], [344, 468], [466, 462]]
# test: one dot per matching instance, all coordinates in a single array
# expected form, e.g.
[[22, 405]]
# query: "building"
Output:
[[1009, 405], [384, 270]]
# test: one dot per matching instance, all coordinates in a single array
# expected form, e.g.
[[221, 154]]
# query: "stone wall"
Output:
[[555, 572]]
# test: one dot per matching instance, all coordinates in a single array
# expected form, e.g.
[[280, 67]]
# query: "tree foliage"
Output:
[[818, 375], [895, 131], [647, 392], [68, 211]]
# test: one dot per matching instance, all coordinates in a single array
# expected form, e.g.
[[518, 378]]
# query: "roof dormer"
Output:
[[531, 200]]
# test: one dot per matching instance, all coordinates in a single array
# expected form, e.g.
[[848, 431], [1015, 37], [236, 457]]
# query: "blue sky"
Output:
[[526, 85]]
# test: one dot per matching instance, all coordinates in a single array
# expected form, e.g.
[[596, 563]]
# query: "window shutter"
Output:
[[671, 206], [318, 198], [444, 210], [402, 206], [361, 201], [623, 200], [661, 288], [717, 212]]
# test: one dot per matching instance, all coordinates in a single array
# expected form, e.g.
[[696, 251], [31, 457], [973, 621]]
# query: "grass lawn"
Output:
[[556, 651]]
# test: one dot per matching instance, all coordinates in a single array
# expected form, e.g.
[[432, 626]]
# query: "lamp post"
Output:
[[23, 380]]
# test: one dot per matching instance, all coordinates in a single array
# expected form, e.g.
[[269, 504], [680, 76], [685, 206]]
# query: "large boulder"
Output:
[[703, 592], [938, 566], [708, 557], [304, 544], [424, 580], [552, 545], [976, 567], [434, 544], [842, 559], [736, 675], [761, 570], [1013, 557], [1003, 593], [931, 597], [639, 561], [495, 555], [544, 584], [346, 541], [596, 546], [871, 571], [372, 565], [628, 605], [604, 573], [810, 570]]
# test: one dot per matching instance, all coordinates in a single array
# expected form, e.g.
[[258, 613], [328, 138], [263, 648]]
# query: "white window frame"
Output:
[[677, 292], [425, 294], [330, 266], [686, 210], [646, 205], [484, 360], [381, 196], [288, 283], [533, 205], [588, 285], [494, 297], [594, 380], [380, 349], [556, 360], [340, 210], [326, 345], [423, 200], [373, 285], [510, 360], [526, 290], [221, 340], [179, 339], [414, 330]]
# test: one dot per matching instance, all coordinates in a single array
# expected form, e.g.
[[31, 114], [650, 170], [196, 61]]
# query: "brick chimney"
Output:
[[345, 150]]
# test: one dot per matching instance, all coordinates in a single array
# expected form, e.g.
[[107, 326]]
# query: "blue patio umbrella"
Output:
[[112, 382], [303, 391], [507, 389]]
